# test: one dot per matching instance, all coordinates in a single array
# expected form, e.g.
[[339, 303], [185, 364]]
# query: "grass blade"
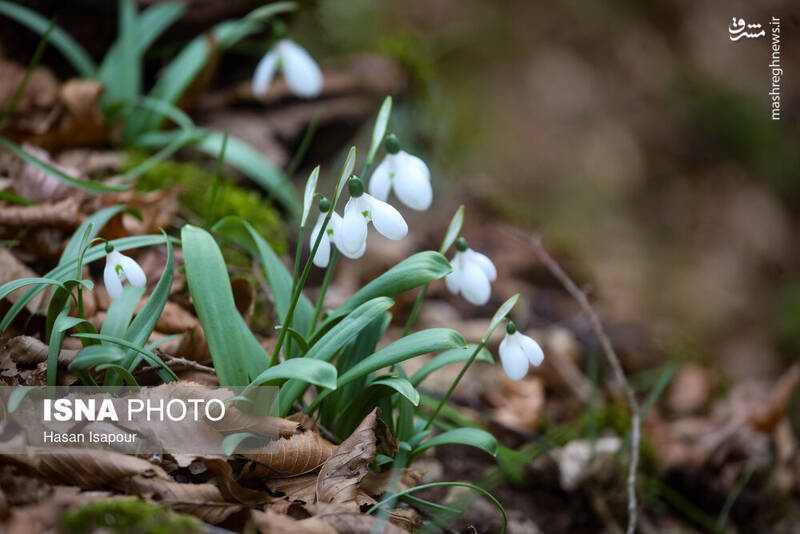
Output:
[[60, 39]]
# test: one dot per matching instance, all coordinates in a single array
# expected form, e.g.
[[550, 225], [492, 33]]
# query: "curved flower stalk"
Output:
[[119, 268], [360, 210], [406, 174], [472, 274], [302, 74], [517, 350]]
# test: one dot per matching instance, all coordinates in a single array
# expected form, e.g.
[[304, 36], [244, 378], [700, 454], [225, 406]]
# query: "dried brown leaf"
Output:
[[289, 457], [271, 522], [62, 214], [341, 474]]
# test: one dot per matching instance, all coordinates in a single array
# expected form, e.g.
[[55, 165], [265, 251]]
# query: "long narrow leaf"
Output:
[[237, 354], [278, 276], [327, 347], [74, 52], [412, 272], [87, 185], [474, 437], [66, 270], [447, 358]]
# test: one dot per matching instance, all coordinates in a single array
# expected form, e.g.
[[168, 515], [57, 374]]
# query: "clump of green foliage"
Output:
[[128, 516], [195, 183]]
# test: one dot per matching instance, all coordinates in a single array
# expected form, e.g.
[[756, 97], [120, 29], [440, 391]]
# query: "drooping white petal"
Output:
[[485, 264], [352, 235], [352, 255], [381, 182], [531, 349], [265, 71], [110, 277], [453, 280], [386, 218], [474, 284], [412, 182], [133, 272], [410, 163], [515, 364], [322, 257], [300, 70]]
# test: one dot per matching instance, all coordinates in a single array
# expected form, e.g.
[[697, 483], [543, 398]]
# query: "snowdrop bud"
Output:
[[356, 186], [118, 269], [324, 205], [461, 244], [392, 144], [517, 351]]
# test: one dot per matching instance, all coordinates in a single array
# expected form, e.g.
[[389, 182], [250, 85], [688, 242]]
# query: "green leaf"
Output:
[[423, 342], [71, 50], [400, 385], [238, 154], [149, 356], [232, 441], [237, 354], [120, 312], [94, 187], [327, 347], [380, 127], [179, 74], [93, 355], [500, 315], [121, 371], [128, 68], [145, 322], [65, 271], [150, 25], [445, 484], [453, 229], [62, 323], [10, 287], [279, 278], [347, 171], [97, 221], [412, 272], [473, 437], [447, 358], [313, 371], [308, 195], [17, 396]]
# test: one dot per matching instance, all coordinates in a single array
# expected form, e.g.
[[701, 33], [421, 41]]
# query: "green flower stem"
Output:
[[324, 289], [287, 322], [460, 375], [297, 254], [413, 315]]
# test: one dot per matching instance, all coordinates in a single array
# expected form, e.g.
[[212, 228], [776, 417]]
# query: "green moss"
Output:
[[128, 516], [786, 317], [195, 183]]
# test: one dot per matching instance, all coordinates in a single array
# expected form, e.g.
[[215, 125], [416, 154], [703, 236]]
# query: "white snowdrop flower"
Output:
[[406, 174], [323, 255], [358, 212], [516, 351], [301, 72], [118, 269], [472, 274]]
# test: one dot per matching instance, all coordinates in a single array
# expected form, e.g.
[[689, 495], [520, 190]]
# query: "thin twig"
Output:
[[174, 361], [552, 265]]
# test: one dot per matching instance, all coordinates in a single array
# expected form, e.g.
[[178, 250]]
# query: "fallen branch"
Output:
[[535, 241], [174, 361]]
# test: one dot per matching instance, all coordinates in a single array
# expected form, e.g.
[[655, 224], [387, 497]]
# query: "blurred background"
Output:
[[635, 136]]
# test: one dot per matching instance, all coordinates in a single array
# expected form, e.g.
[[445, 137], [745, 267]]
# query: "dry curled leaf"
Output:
[[271, 522], [289, 457], [62, 214], [342, 473], [27, 350]]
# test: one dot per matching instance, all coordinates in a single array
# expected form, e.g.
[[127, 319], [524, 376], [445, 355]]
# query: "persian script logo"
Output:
[[738, 27]]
